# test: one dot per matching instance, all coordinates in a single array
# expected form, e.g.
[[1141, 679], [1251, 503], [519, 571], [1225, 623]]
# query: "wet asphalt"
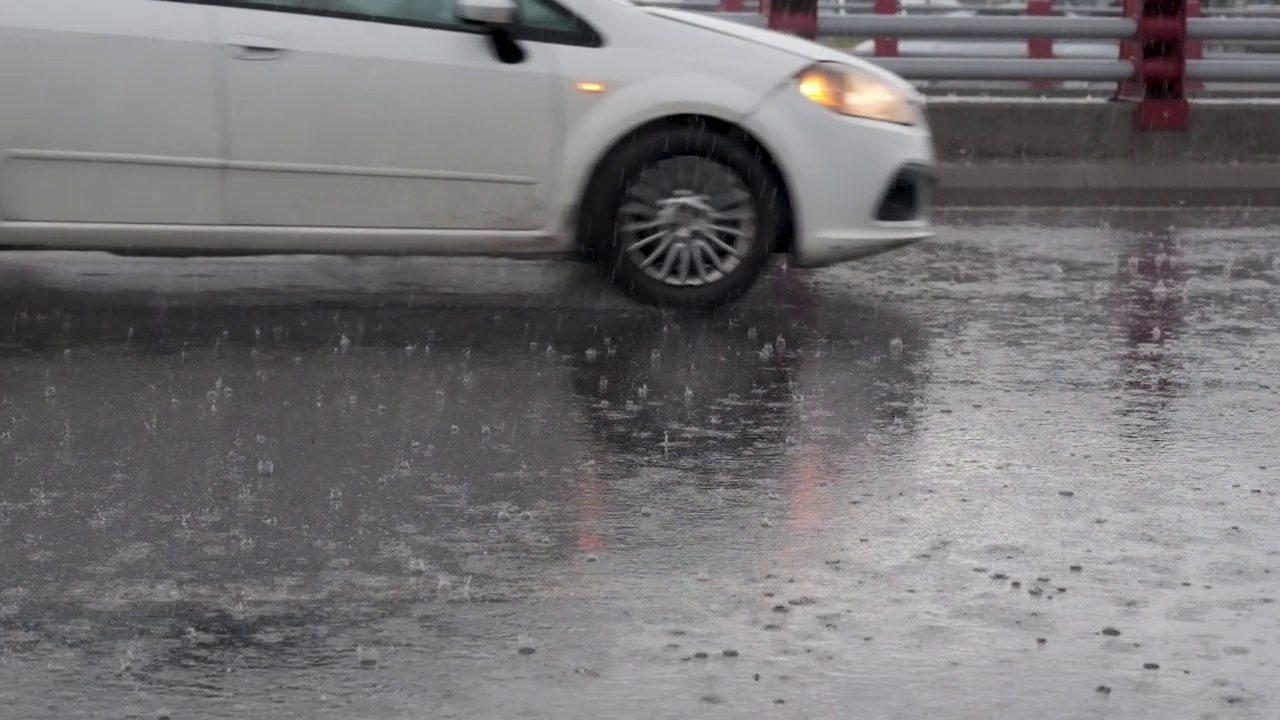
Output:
[[1025, 470]]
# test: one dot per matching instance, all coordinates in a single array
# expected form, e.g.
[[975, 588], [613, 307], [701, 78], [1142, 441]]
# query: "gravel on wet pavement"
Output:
[[1024, 470]]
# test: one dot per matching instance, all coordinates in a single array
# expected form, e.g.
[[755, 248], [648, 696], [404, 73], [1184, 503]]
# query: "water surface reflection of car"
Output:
[[681, 151], [734, 399]]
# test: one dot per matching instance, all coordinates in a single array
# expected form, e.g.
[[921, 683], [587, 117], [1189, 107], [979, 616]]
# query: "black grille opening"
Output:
[[906, 198]]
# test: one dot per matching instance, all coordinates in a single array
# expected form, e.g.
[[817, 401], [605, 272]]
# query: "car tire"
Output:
[[682, 217]]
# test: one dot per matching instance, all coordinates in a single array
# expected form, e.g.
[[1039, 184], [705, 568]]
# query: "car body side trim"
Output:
[[169, 161]]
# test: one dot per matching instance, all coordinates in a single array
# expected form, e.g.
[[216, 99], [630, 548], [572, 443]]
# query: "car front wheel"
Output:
[[683, 217]]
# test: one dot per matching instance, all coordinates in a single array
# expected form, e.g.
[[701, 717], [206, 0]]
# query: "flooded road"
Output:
[[1027, 470]]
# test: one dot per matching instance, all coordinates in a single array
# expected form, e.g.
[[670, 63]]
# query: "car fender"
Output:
[[620, 113]]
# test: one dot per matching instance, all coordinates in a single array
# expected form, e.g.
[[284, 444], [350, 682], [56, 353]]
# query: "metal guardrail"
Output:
[[867, 8], [1159, 47], [1002, 69], [1047, 27], [1057, 28], [1087, 70]]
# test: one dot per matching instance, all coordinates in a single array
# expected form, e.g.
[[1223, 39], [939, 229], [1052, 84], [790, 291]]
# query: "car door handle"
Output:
[[256, 48], [258, 52]]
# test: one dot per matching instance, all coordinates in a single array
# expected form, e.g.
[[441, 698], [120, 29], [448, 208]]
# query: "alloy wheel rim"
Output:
[[687, 221]]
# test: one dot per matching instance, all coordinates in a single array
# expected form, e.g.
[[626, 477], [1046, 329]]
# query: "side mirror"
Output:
[[490, 13]]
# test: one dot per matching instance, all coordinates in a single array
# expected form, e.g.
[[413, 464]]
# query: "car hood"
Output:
[[790, 44]]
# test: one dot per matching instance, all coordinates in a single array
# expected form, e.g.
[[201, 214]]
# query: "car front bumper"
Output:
[[858, 187]]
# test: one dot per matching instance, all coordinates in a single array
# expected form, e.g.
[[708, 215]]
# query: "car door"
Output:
[[382, 114], [108, 112]]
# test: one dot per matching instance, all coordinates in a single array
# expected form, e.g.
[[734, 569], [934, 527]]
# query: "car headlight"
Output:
[[851, 92]]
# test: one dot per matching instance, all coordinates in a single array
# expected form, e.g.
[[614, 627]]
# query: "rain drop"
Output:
[[525, 645]]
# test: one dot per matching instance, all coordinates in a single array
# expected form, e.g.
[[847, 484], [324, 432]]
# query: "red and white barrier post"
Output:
[[886, 46], [798, 17], [1159, 58], [1040, 48]]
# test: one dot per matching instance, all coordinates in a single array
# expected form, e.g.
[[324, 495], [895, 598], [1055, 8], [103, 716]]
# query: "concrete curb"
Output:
[[1065, 131], [1108, 184]]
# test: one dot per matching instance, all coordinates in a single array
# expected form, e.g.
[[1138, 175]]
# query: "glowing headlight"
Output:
[[850, 92]]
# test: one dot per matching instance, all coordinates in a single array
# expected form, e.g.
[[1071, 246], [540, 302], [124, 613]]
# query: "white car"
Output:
[[680, 151]]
